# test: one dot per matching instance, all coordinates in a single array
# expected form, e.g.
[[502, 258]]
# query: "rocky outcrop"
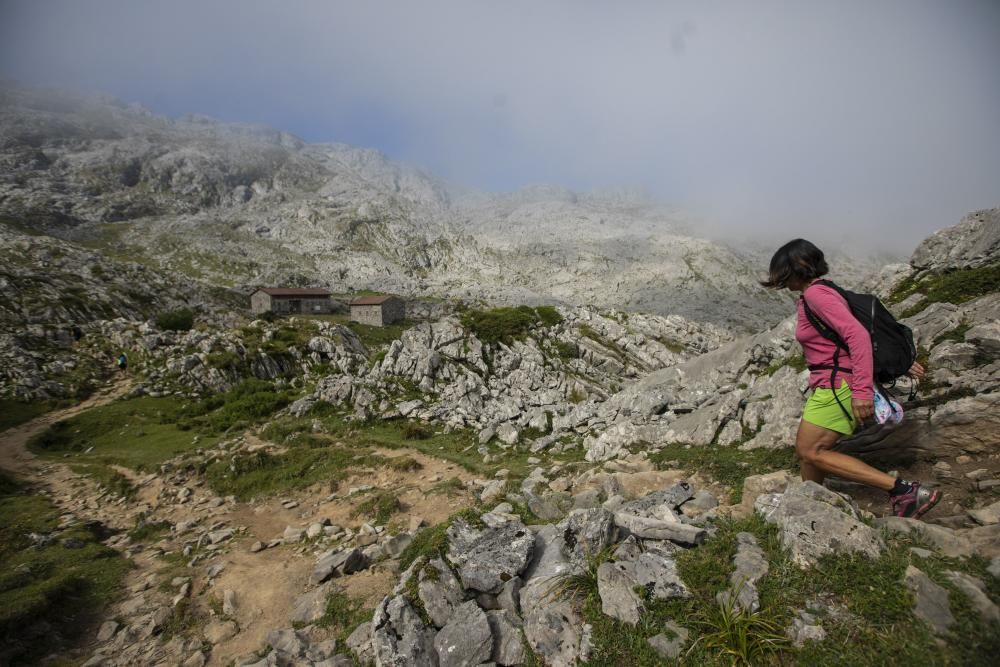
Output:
[[816, 522], [975, 241]]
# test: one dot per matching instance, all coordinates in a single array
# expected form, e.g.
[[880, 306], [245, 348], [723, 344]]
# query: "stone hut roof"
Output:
[[370, 300], [294, 291]]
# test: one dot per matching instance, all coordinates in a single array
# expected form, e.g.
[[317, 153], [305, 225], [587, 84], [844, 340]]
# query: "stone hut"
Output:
[[290, 301], [377, 310]]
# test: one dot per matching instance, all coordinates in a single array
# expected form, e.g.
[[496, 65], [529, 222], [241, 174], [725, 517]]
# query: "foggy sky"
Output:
[[874, 123]]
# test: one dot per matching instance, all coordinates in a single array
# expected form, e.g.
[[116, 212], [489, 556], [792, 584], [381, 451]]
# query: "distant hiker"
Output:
[[123, 363], [798, 265]]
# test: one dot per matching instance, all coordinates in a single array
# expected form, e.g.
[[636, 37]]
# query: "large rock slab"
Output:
[[552, 626], [466, 639], [931, 603], [399, 637], [975, 241], [337, 564], [508, 647], [440, 591], [587, 532], [487, 558], [657, 529], [817, 522], [310, 607], [750, 566]]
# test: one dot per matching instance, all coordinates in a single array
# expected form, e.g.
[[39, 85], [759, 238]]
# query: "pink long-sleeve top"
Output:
[[831, 308]]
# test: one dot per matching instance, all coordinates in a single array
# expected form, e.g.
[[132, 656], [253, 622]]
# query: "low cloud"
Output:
[[873, 122]]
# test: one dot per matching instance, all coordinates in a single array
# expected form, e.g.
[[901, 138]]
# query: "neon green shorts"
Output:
[[822, 409]]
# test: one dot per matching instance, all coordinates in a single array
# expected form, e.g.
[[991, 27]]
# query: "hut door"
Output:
[[295, 306]]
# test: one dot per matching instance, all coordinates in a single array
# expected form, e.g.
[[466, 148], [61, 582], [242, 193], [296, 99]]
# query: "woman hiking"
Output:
[[797, 266]]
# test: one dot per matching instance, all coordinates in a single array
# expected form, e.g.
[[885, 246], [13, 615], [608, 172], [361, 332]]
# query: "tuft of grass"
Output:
[[343, 614], [110, 479], [403, 464], [416, 431], [379, 507], [580, 584], [148, 530], [376, 337], [430, 542], [797, 362], [738, 636], [452, 486], [727, 465], [956, 335]]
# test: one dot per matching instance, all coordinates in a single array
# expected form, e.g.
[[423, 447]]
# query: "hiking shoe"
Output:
[[916, 502]]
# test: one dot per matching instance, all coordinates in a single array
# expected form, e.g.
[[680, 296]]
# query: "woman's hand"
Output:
[[862, 409], [916, 371]]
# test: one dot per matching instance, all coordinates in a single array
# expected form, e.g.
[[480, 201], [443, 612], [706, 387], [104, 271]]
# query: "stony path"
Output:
[[207, 557]]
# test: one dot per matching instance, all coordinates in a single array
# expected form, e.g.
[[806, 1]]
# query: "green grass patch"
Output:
[[379, 506], [403, 464], [956, 335], [14, 413], [259, 473], [796, 362], [48, 589], [375, 337], [181, 319], [505, 325], [604, 342], [139, 433], [452, 486], [245, 404], [107, 477], [343, 614], [432, 542], [727, 465], [954, 287]]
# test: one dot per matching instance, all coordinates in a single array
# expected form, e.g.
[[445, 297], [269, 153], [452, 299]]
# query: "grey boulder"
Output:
[[817, 522], [466, 639], [489, 557]]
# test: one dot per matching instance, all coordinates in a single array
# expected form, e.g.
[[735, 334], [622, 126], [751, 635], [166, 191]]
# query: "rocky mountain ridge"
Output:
[[243, 205]]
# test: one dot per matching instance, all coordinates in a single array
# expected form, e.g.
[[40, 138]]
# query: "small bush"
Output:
[[566, 349], [415, 431], [505, 325], [403, 464], [343, 614], [176, 320], [430, 542]]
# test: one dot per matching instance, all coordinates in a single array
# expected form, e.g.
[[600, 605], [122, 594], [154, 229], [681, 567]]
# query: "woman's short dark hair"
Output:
[[797, 260]]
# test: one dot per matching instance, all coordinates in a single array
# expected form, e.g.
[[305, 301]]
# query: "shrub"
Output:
[[505, 325], [415, 431], [176, 320]]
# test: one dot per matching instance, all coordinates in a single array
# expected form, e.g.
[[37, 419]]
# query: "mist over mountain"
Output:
[[246, 205]]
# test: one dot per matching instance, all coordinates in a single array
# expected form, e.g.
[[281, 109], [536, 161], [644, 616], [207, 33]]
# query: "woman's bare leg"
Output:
[[813, 444]]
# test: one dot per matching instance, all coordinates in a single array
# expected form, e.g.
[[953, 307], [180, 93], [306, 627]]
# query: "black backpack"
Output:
[[893, 351]]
